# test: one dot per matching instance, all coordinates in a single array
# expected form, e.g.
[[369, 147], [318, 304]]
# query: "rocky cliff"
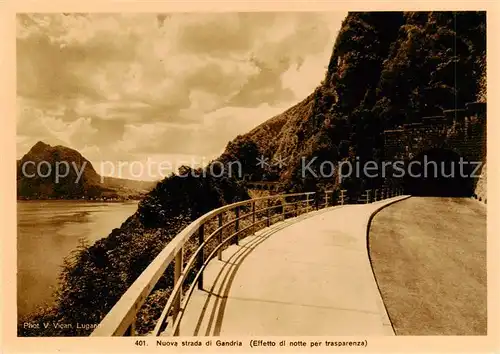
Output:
[[386, 69]]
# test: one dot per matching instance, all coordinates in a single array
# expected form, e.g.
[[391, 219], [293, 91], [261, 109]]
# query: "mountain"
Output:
[[386, 69], [58, 172]]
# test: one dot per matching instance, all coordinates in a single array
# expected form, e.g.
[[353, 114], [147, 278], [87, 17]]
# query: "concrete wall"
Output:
[[460, 130]]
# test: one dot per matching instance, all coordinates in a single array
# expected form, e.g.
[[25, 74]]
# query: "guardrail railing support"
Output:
[[268, 214], [342, 196], [368, 196], [219, 251], [201, 256], [253, 214], [236, 225], [130, 330], [375, 195], [177, 274]]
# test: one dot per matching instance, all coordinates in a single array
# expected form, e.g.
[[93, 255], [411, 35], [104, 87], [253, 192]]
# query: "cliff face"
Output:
[[386, 69]]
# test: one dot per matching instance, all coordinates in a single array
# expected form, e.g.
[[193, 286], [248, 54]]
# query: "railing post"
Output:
[[375, 195], [177, 275], [283, 207], [326, 199], [130, 330], [307, 203], [253, 213], [236, 225], [368, 196], [201, 256], [316, 200], [219, 252], [268, 213], [342, 192]]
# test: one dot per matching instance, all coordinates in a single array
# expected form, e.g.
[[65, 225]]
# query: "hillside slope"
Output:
[[386, 69]]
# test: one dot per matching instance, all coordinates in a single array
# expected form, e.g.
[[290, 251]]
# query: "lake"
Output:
[[47, 231]]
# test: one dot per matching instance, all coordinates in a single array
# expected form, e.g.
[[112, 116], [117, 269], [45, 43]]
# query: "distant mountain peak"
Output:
[[39, 146], [33, 185]]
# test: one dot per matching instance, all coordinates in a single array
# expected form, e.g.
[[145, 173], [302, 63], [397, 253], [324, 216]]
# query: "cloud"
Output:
[[34, 124], [131, 84]]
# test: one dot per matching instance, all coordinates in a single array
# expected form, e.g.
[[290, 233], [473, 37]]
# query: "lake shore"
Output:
[[48, 231]]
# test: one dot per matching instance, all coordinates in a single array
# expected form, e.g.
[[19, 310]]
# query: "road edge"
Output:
[[383, 308]]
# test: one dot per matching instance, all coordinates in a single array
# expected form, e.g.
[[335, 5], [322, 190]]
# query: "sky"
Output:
[[145, 89]]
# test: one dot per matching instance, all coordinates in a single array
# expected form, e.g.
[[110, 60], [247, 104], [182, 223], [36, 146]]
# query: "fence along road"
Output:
[[299, 231]]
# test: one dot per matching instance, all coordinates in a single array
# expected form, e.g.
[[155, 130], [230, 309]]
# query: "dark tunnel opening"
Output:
[[439, 172]]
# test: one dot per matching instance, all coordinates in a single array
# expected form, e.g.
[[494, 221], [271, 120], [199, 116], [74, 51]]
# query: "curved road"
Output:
[[429, 259], [304, 276]]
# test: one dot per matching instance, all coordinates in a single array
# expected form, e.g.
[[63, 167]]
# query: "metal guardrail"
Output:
[[121, 319], [373, 195]]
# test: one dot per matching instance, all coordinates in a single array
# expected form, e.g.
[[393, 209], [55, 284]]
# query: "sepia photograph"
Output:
[[249, 179]]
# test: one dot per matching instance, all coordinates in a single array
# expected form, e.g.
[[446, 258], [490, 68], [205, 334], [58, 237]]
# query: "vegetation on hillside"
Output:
[[386, 69], [95, 276]]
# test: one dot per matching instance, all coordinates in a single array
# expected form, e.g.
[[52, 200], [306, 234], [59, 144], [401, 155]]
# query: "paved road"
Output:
[[305, 276], [429, 258]]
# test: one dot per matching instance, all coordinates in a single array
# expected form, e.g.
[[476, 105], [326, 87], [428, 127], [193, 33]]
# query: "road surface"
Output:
[[309, 275], [429, 259]]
